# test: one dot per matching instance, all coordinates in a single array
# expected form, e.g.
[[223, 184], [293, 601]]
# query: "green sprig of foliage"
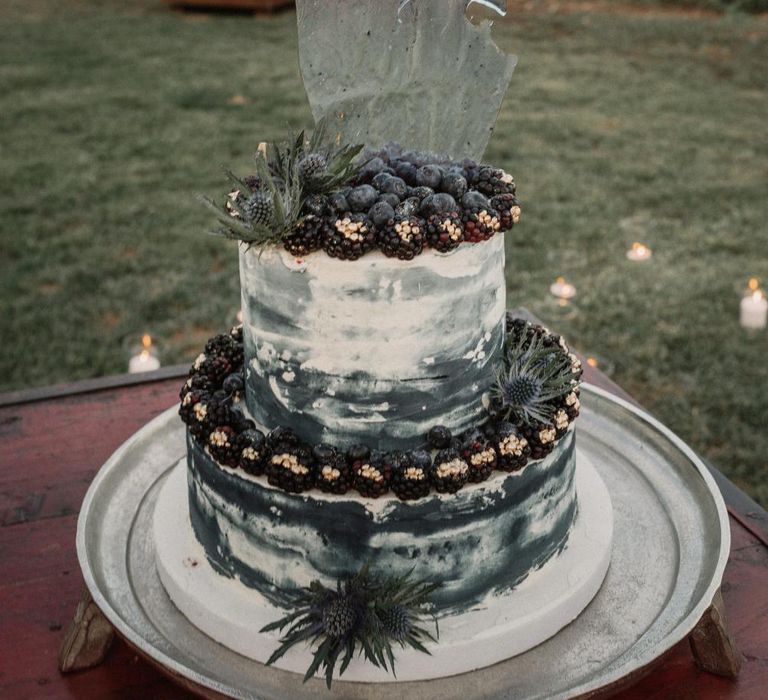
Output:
[[365, 614]]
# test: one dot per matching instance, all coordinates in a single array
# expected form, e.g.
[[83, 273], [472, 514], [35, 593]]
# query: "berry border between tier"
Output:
[[513, 434]]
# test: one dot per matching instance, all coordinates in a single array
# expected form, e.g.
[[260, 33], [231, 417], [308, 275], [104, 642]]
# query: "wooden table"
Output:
[[53, 441]]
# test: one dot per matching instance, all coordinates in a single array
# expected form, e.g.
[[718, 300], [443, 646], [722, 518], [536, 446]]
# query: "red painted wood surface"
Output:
[[51, 448]]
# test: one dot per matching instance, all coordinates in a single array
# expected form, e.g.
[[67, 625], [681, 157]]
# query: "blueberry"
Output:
[[475, 200], [316, 204], [362, 198], [454, 184], [407, 171], [233, 383], [392, 199], [407, 208], [395, 185], [439, 437], [338, 202], [281, 434], [422, 192], [253, 436], [240, 423], [439, 203], [380, 213], [421, 459], [358, 453], [429, 176], [371, 168], [324, 452], [379, 180]]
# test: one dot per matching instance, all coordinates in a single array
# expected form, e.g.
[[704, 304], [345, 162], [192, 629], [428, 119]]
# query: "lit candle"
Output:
[[562, 290], [592, 361], [639, 252], [754, 307], [145, 360]]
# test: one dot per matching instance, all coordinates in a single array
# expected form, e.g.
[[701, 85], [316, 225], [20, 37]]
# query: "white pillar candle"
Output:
[[754, 310], [639, 252], [145, 359], [562, 290]]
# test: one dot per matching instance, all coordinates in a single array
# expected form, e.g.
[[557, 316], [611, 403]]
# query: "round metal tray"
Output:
[[671, 543]]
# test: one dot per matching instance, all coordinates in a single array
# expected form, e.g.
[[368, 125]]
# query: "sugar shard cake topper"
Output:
[[413, 71]]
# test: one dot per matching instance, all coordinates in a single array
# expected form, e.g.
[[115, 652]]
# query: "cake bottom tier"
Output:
[[503, 625], [482, 540]]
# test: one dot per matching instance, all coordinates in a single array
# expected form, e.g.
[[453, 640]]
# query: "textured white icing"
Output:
[[398, 346]]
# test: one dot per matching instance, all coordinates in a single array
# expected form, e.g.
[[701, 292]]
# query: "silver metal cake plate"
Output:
[[670, 546]]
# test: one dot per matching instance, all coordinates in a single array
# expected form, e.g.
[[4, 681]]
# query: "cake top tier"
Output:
[[308, 195]]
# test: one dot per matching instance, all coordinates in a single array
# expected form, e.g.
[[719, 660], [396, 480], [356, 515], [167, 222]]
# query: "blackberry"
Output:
[[311, 166], [439, 203], [306, 237], [371, 476], [333, 473], [240, 422], [289, 467], [478, 452], [439, 437], [508, 208], [571, 404], [188, 402], [259, 209], [402, 237], [493, 181], [541, 437], [429, 176], [254, 452], [410, 477], [281, 435], [380, 213], [196, 382], [445, 231], [237, 333], [208, 414], [449, 471], [216, 368], [561, 422], [454, 183], [480, 224], [362, 198], [224, 445], [349, 237], [315, 205], [225, 346], [512, 448]]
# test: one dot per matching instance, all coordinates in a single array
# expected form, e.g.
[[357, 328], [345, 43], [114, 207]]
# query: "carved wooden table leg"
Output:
[[712, 644], [88, 638]]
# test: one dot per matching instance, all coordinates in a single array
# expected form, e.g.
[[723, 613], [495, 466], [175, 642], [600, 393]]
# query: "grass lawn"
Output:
[[617, 127]]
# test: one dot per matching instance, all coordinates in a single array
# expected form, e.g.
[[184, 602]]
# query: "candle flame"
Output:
[[592, 361], [639, 248], [753, 284], [560, 280], [146, 341]]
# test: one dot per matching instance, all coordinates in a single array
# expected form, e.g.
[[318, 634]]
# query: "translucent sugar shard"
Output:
[[417, 72]]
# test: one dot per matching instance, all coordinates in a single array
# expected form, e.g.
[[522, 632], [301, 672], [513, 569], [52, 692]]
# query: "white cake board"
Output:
[[501, 627]]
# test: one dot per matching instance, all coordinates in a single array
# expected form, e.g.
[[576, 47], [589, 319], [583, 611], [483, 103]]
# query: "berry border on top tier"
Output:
[[347, 203], [210, 407]]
